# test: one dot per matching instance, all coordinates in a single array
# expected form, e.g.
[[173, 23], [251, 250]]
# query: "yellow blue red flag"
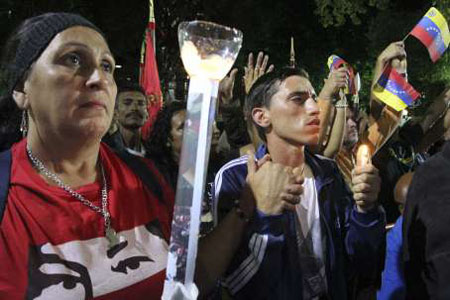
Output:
[[335, 62], [432, 30], [394, 90]]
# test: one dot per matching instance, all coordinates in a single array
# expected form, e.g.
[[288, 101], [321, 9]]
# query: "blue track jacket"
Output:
[[266, 264]]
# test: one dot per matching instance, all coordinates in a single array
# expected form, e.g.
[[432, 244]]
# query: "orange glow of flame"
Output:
[[212, 66], [363, 156]]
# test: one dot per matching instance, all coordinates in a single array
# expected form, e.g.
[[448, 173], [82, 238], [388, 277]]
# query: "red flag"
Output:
[[149, 77]]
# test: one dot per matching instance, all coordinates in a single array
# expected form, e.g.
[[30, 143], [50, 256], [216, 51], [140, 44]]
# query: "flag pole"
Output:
[[152, 23], [404, 39]]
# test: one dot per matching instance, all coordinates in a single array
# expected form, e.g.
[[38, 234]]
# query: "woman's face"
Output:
[[215, 135], [70, 88], [176, 133]]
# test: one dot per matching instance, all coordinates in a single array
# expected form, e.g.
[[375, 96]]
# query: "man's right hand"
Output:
[[394, 50], [337, 79], [275, 187]]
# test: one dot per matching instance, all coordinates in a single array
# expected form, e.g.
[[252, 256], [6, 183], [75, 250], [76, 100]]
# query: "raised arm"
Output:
[[232, 114], [395, 55], [336, 80], [337, 131], [237, 128], [254, 71]]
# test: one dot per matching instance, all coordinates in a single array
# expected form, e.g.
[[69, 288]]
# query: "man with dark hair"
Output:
[[303, 234], [130, 115]]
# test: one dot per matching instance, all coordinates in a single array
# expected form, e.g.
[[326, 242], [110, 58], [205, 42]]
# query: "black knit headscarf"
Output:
[[37, 37]]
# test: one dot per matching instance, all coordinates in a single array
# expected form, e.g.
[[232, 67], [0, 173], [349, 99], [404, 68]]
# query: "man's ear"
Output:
[[261, 116]]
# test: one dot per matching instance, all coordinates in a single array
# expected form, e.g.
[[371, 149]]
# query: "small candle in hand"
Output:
[[363, 155]]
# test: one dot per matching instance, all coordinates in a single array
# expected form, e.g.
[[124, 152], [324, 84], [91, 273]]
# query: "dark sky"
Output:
[[267, 25]]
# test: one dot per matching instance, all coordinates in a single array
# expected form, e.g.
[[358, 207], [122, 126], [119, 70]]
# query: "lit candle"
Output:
[[212, 66], [363, 155], [208, 52]]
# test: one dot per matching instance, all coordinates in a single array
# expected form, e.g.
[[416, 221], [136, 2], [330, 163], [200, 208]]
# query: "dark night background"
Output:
[[356, 30]]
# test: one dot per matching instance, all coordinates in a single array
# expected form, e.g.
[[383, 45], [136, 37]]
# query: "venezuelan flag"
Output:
[[394, 90], [432, 30], [335, 62]]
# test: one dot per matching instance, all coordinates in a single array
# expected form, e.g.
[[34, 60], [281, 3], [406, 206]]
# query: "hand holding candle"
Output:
[[363, 156], [365, 180]]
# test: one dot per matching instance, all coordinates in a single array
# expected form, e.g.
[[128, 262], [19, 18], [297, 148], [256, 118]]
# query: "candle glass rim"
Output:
[[237, 33]]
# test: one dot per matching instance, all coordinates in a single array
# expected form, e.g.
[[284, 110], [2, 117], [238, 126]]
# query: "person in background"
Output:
[[426, 231], [399, 148], [240, 132], [346, 157], [166, 138], [393, 279], [130, 115]]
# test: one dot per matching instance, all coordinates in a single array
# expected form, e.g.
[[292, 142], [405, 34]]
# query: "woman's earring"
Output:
[[24, 123]]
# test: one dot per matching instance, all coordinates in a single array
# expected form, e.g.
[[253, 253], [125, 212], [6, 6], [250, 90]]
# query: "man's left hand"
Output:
[[366, 186]]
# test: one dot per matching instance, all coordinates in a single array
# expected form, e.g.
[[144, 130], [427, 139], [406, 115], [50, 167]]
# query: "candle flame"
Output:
[[212, 66], [363, 155]]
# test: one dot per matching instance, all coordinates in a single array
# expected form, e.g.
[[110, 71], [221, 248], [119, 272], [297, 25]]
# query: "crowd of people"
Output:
[[86, 200]]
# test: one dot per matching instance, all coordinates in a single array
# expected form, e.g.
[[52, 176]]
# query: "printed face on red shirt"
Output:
[[88, 268]]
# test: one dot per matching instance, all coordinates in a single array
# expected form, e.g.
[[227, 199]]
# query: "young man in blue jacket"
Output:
[[290, 227]]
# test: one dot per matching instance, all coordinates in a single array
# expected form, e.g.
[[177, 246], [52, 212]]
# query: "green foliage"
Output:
[[336, 12], [443, 65], [356, 30]]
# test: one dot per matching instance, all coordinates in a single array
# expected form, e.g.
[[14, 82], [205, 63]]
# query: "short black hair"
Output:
[[157, 145], [263, 90], [129, 86]]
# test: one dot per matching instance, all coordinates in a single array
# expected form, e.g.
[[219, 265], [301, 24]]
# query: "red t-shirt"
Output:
[[53, 246]]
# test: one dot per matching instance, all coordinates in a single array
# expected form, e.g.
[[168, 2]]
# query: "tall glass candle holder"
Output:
[[208, 52]]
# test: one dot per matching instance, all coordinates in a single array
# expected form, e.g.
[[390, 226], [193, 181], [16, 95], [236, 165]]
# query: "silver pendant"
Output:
[[112, 237]]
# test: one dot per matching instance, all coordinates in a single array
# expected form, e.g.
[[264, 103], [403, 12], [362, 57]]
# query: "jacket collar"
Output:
[[317, 165]]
